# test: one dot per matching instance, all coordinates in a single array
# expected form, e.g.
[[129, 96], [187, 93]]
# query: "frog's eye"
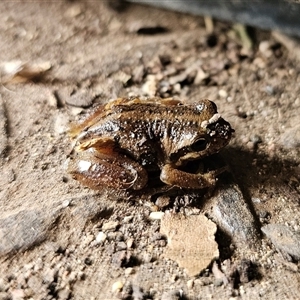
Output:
[[199, 145]]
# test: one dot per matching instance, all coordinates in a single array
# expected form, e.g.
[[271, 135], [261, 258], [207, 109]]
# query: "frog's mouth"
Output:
[[204, 165]]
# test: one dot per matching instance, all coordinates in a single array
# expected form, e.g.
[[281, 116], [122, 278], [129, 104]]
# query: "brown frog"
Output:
[[121, 143]]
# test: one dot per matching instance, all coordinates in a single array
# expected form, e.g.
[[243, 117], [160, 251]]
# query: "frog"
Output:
[[122, 143]]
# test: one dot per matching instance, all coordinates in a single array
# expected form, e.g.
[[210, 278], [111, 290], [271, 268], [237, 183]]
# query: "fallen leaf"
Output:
[[191, 241], [17, 71]]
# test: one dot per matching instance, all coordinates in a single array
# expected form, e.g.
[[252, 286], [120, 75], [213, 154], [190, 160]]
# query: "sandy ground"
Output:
[[49, 224]]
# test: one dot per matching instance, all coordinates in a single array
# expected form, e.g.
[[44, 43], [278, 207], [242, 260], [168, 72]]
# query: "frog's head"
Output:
[[206, 135]]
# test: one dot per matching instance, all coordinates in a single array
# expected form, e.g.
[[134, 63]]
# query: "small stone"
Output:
[[110, 226], [138, 74], [35, 283], [147, 257], [73, 11], [200, 76], [162, 201], [245, 269], [190, 283], [48, 277], [129, 271], [52, 100], [121, 258], [223, 93], [75, 111], [127, 219], [233, 216], [81, 98], [65, 204], [218, 282], [60, 123], [291, 137], [259, 62], [170, 295], [149, 87], [24, 229], [130, 243], [156, 215], [156, 236], [101, 237], [284, 239], [265, 48], [137, 293], [17, 294], [117, 286], [63, 294], [5, 296], [121, 246]]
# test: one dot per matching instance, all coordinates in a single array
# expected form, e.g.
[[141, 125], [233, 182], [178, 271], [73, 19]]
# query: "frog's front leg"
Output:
[[173, 176], [107, 169]]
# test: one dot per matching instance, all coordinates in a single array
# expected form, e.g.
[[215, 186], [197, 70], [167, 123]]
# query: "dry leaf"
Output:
[[17, 71], [191, 241]]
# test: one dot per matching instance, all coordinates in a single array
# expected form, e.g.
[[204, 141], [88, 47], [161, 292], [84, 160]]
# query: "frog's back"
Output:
[[149, 130]]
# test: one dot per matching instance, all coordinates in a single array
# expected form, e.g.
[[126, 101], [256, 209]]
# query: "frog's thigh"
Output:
[[99, 170], [179, 178]]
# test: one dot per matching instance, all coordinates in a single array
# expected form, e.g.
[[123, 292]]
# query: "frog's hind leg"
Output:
[[99, 170]]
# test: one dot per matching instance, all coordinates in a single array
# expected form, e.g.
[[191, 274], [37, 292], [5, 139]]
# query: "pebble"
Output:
[[156, 215], [265, 48], [232, 215], [17, 294], [162, 201], [120, 258], [121, 246], [117, 286], [170, 295], [63, 294], [200, 76], [65, 204], [190, 283], [284, 239], [137, 293], [52, 100], [81, 98], [4, 296], [127, 219], [115, 236], [130, 243], [60, 123], [218, 282], [24, 229], [73, 11], [110, 226], [48, 276], [75, 111], [101, 237], [291, 137], [128, 271], [223, 93], [147, 257]]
